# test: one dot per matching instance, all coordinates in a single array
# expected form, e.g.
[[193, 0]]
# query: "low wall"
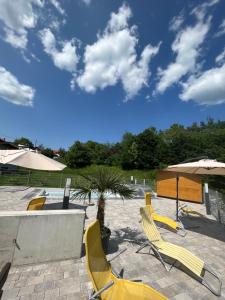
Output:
[[29, 237]]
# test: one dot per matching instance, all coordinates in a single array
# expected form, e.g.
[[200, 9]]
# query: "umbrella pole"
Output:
[[177, 200]]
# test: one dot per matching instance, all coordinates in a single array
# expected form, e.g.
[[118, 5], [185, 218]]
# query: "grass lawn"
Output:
[[57, 179]]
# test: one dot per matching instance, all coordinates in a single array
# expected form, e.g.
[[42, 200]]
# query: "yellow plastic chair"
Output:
[[161, 219], [106, 285], [36, 203], [176, 253]]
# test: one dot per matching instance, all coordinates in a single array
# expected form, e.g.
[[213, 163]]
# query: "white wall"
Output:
[[41, 236]]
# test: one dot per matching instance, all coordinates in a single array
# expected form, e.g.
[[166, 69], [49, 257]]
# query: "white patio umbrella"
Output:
[[30, 159], [201, 167]]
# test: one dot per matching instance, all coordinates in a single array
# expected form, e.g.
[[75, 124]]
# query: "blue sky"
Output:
[[94, 69]]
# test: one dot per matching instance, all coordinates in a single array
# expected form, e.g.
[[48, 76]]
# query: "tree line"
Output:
[[150, 149]]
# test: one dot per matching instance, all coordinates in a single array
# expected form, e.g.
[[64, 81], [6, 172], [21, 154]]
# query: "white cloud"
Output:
[[148, 98], [207, 89], [13, 91], [176, 22], [187, 47], [66, 58], [221, 29], [119, 21], [113, 58], [87, 2], [15, 39], [17, 17], [220, 59], [200, 11], [58, 6]]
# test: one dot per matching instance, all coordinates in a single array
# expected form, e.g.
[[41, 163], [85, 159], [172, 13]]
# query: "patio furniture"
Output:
[[162, 219], [30, 159], [203, 166], [108, 286], [36, 203], [185, 211], [178, 254]]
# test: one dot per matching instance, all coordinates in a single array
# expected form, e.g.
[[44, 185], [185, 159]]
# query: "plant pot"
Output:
[[105, 236]]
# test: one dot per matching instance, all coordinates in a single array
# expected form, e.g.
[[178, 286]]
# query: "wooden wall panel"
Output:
[[190, 186]]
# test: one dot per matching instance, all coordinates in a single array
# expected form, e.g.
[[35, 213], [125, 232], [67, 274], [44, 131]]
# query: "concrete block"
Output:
[[41, 236]]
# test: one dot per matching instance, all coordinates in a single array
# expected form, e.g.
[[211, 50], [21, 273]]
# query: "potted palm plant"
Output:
[[103, 182]]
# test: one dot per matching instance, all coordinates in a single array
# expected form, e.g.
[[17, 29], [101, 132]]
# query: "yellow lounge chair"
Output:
[[184, 210], [176, 253], [106, 285], [161, 219], [36, 203]]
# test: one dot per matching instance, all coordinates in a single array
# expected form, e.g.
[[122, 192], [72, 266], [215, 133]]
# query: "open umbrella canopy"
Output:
[[30, 159], [201, 167]]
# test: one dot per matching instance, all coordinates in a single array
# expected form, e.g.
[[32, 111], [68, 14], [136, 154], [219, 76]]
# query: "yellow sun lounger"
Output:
[[106, 285], [176, 253], [184, 210], [36, 203], [161, 219]]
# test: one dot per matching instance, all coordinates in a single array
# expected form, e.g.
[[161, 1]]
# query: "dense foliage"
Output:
[[151, 149], [24, 141]]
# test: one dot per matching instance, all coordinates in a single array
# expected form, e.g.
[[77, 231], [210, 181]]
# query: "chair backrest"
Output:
[[36, 203], [97, 266], [148, 224], [148, 199]]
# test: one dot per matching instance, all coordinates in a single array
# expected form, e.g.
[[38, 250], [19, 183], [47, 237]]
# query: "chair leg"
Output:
[[173, 264], [118, 275], [182, 232], [156, 252], [208, 285], [106, 287], [145, 244]]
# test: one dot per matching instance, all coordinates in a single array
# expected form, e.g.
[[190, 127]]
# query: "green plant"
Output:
[[101, 182]]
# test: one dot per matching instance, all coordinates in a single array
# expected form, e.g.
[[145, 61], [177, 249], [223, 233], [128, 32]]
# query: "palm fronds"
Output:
[[102, 182]]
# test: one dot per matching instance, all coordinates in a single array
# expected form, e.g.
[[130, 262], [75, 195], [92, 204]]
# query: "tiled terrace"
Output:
[[68, 279]]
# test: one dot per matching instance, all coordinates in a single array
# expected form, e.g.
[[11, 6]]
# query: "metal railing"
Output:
[[54, 179]]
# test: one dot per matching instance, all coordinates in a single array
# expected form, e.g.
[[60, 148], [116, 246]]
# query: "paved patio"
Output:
[[68, 279]]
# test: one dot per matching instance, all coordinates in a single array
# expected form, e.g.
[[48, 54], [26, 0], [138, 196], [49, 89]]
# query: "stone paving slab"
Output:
[[68, 279]]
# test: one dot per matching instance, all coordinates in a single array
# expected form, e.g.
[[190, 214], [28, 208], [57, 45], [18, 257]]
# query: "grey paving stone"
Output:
[[26, 290], [182, 296], [34, 296], [35, 280], [44, 286], [10, 294], [68, 279], [53, 277], [51, 294], [66, 291]]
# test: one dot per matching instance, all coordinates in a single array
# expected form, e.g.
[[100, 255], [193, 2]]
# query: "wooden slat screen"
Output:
[[190, 186]]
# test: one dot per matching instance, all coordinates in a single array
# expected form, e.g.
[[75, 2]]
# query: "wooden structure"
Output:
[[189, 186]]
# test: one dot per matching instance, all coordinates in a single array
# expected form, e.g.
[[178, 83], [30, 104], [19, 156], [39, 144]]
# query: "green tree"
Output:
[[24, 141], [147, 146], [62, 153], [78, 156], [129, 151], [98, 152], [114, 155], [48, 152]]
